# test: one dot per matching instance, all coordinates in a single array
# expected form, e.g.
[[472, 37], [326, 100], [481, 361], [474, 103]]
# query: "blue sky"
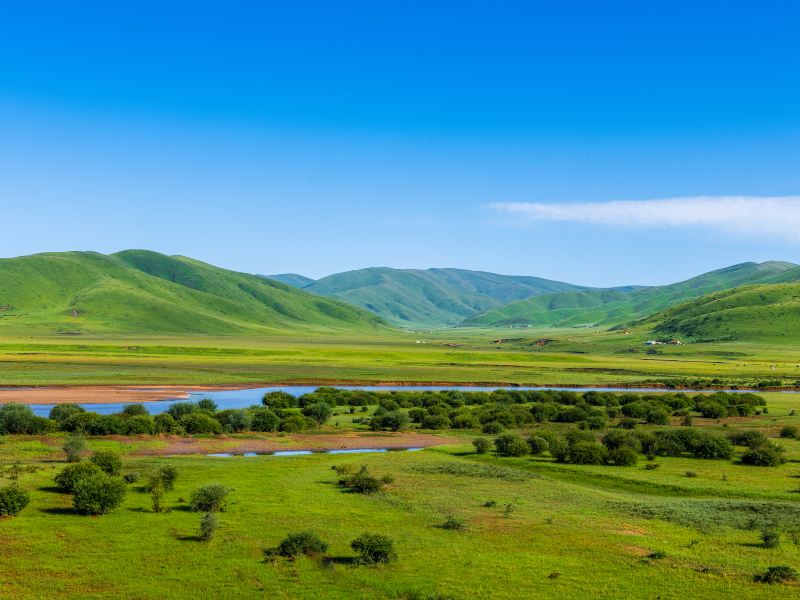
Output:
[[318, 137]]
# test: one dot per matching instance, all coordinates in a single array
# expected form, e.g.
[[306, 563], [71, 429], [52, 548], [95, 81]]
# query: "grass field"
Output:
[[568, 356], [572, 531]]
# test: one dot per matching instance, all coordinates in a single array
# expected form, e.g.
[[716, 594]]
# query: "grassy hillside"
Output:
[[620, 305], [432, 297], [293, 279], [752, 313], [138, 291]]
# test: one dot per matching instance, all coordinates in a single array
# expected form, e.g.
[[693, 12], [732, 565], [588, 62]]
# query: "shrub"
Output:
[[619, 438], [362, 482], [318, 412], [657, 416], [108, 460], [712, 410], [791, 431], [165, 476], [436, 422], [61, 412], [510, 445], [374, 548], [131, 477], [624, 456], [305, 543], [492, 428], [628, 423], [690, 474], [279, 400], [17, 418], [140, 425], [454, 523], [134, 410], [200, 422], [295, 423], [12, 500], [98, 494], [69, 476], [777, 574], [74, 445], [208, 526], [652, 466], [212, 497], [752, 438], [393, 420], [263, 419], [537, 445], [481, 445], [766, 455], [163, 423], [770, 538], [157, 496], [711, 445], [587, 453]]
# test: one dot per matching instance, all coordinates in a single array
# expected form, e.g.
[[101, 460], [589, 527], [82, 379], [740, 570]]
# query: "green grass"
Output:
[[608, 532]]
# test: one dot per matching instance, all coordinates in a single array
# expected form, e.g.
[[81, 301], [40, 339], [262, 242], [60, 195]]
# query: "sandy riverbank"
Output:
[[102, 393]]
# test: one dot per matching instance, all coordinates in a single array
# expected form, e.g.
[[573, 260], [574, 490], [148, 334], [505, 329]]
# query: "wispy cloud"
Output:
[[777, 216]]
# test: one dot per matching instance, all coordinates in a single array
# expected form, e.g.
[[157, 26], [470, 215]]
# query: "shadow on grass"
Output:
[[53, 489], [331, 561], [60, 510]]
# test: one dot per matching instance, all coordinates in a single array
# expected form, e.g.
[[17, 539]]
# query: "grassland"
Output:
[[572, 531], [522, 356]]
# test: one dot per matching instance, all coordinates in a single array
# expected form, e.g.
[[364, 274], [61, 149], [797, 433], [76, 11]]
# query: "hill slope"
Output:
[[619, 305], [432, 297], [292, 279], [758, 312], [141, 291]]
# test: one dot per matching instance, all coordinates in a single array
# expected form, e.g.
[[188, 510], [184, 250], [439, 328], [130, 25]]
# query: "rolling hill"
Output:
[[292, 279], [753, 313], [137, 291], [432, 297], [620, 305]]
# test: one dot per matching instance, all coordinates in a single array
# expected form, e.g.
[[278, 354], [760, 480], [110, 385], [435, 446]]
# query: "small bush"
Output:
[[98, 494], [165, 476], [362, 482], [690, 474], [305, 543], [777, 574], [12, 500], [651, 466], [766, 455], [131, 477], [791, 431], [492, 428], [157, 496], [587, 453], [374, 548], [623, 456], [770, 538], [510, 445], [537, 445], [69, 476], [454, 523], [108, 460], [481, 445], [212, 497], [208, 526], [74, 445]]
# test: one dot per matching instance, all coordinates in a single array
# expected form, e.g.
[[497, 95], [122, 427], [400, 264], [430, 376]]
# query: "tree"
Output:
[[305, 543], [374, 548], [61, 412], [74, 445], [263, 419], [12, 500], [108, 460], [393, 420], [16, 419], [279, 400], [510, 445], [212, 497], [319, 412], [163, 423], [98, 494], [199, 422], [69, 476]]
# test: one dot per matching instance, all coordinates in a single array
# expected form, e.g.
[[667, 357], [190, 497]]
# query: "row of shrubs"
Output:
[[372, 548], [622, 447], [182, 417]]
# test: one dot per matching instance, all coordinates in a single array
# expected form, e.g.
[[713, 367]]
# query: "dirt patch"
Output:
[[636, 550], [102, 393], [318, 442], [630, 531]]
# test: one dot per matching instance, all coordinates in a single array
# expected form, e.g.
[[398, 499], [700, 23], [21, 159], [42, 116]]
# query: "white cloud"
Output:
[[777, 216]]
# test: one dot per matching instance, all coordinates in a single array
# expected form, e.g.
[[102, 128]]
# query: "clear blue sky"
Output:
[[318, 137]]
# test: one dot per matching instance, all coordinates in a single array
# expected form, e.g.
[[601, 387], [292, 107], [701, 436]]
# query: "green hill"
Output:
[[432, 297], [753, 313], [620, 305], [292, 279], [139, 291]]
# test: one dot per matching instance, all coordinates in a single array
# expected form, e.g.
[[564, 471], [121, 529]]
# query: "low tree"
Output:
[[510, 445], [69, 476], [212, 497], [98, 494], [12, 500], [481, 445], [108, 460], [537, 445], [374, 548], [74, 445], [305, 543], [318, 412], [765, 455]]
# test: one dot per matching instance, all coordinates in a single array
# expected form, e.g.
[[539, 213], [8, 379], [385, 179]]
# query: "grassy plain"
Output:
[[572, 531], [575, 356]]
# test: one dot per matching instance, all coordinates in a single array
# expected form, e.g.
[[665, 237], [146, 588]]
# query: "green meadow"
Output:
[[533, 527]]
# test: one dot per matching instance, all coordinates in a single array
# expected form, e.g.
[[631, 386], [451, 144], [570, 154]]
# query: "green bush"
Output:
[[624, 456], [70, 475], [777, 574], [510, 445], [263, 419], [305, 543], [208, 526], [12, 500], [296, 423], [752, 438], [108, 460], [791, 431], [200, 422], [165, 476], [481, 445], [279, 400], [318, 412], [393, 420], [770, 538], [74, 445], [374, 548], [436, 422], [492, 428], [163, 423], [212, 497], [134, 410], [454, 523], [362, 482], [131, 477], [537, 445], [98, 494], [766, 455], [587, 453]]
